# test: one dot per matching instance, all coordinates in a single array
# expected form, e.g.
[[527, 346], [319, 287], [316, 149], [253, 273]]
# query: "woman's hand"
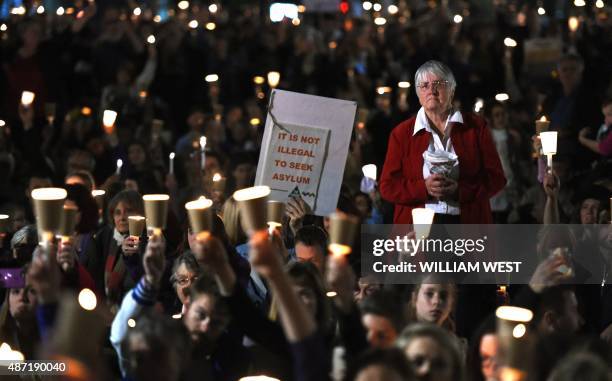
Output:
[[130, 246], [434, 184], [439, 186]]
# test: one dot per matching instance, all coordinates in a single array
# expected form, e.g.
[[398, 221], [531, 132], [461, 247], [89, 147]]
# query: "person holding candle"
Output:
[[442, 159], [602, 145], [119, 254]]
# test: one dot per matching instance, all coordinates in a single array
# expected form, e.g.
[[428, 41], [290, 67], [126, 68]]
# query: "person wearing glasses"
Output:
[[441, 158]]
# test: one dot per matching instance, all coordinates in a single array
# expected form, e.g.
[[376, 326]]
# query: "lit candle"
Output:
[[171, 163], [203, 152], [27, 97], [119, 165], [218, 183], [273, 79], [369, 171], [549, 145], [108, 120], [513, 341]]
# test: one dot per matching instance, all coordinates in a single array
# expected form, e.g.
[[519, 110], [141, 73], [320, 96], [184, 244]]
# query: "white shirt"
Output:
[[437, 144]]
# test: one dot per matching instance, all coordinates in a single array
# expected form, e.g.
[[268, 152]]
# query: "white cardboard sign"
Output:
[[304, 148]]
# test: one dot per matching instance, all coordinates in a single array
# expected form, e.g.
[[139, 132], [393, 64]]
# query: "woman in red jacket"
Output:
[[441, 159]]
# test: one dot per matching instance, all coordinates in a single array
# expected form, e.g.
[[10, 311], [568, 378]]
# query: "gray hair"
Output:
[[440, 70]]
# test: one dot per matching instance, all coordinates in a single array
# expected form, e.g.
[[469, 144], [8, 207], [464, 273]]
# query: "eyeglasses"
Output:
[[183, 281], [434, 85]]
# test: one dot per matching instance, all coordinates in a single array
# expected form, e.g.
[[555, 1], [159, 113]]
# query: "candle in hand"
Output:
[[119, 165], [203, 151], [27, 97], [172, 163]]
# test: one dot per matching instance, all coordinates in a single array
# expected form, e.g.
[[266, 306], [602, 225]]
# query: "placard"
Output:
[[304, 148]]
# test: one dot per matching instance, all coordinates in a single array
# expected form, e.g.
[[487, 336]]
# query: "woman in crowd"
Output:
[[434, 353], [118, 254], [441, 159]]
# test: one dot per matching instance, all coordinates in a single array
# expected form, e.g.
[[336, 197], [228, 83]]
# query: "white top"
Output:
[[437, 144]]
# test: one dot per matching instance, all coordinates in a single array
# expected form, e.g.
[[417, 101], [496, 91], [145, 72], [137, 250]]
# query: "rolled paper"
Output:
[[422, 218], [68, 222], [200, 215], [48, 205], [549, 142], [252, 203], [276, 211], [156, 211], [136, 225], [513, 341], [342, 231], [27, 98]]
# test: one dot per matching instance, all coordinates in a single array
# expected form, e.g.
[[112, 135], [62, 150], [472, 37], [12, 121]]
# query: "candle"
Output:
[[542, 124], [108, 120], [342, 231], [509, 42], [369, 171], [156, 211], [171, 163], [27, 97], [203, 151], [218, 183], [513, 341], [422, 218], [549, 145], [273, 79], [253, 207], [119, 165]]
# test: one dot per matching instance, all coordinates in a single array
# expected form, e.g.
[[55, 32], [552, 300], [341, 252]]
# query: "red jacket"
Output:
[[480, 171]]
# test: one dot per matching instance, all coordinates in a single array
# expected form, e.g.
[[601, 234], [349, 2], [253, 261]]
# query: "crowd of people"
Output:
[[462, 81]]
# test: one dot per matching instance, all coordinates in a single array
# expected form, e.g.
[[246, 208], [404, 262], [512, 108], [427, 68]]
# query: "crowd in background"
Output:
[[203, 71]]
